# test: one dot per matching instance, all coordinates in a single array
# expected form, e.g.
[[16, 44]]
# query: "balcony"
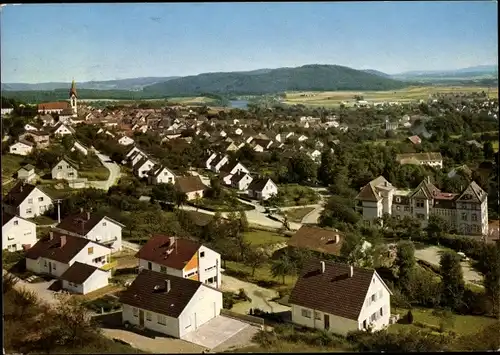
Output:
[[109, 266]]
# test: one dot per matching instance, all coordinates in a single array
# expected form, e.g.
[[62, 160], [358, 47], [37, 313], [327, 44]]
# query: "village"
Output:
[[204, 226]]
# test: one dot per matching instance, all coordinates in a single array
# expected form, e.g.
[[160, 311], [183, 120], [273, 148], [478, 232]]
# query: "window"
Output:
[[149, 316], [162, 319], [40, 199], [407, 208], [53, 266], [150, 266], [398, 217], [380, 294], [135, 311], [317, 315], [16, 223], [464, 216], [398, 199], [59, 167], [163, 269], [210, 268], [374, 297], [104, 224], [90, 250], [67, 167], [306, 313], [381, 310], [29, 211], [420, 204], [45, 263], [202, 254], [30, 200], [474, 217], [71, 174]]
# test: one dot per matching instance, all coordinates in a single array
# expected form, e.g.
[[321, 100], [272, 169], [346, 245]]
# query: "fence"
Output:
[[244, 317]]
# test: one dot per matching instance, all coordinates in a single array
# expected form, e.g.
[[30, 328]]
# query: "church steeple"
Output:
[[72, 98], [72, 91]]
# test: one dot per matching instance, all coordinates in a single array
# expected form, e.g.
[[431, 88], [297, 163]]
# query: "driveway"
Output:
[[260, 296], [41, 289], [313, 216], [114, 173], [433, 255], [216, 331]]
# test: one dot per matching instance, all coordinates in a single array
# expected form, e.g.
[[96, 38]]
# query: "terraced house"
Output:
[[467, 212]]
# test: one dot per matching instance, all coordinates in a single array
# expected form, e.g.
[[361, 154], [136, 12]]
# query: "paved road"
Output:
[[114, 173], [39, 288], [433, 255]]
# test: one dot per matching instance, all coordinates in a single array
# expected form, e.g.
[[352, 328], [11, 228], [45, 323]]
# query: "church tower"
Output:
[[73, 98]]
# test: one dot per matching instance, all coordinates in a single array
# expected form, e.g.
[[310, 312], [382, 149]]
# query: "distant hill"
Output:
[[305, 78], [376, 72], [121, 84], [480, 72]]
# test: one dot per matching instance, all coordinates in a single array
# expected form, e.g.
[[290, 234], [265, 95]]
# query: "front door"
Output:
[[150, 266], [327, 321], [141, 318], [50, 267]]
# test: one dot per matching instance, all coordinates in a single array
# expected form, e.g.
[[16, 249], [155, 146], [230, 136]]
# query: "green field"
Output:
[[413, 93], [10, 165], [297, 214], [259, 237]]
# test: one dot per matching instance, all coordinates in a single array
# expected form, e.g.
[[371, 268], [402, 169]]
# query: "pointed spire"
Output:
[[72, 91]]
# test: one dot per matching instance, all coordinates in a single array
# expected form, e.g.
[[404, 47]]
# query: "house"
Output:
[[219, 162], [466, 212], [431, 159], [415, 139], [315, 155], [52, 107], [192, 186], [143, 166], [182, 258], [55, 254], [65, 169], [80, 147], [262, 189], [229, 170], [26, 173], [6, 112], [317, 239], [17, 233], [302, 138], [161, 175], [83, 278], [136, 157], [27, 201], [241, 181], [101, 229], [41, 138], [169, 304], [21, 147], [340, 298], [30, 127], [125, 141], [62, 129]]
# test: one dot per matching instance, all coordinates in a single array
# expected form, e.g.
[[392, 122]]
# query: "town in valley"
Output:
[[308, 208]]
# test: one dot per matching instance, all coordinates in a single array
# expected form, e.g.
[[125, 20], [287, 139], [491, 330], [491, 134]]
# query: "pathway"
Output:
[[114, 173]]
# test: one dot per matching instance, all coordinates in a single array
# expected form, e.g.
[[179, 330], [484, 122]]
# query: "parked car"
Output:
[[462, 256]]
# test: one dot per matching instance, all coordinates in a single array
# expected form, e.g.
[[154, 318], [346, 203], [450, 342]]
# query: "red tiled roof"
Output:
[[317, 239], [158, 247], [53, 106], [52, 249]]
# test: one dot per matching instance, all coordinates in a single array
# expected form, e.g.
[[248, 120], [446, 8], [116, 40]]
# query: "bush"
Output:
[[228, 300], [409, 317]]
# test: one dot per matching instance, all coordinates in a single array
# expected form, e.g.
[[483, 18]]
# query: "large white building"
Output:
[[182, 258], [340, 298], [467, 212]]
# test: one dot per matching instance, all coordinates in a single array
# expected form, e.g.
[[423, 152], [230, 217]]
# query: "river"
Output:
[[241, 104]]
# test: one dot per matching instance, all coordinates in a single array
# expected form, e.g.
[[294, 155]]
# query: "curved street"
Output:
[[114, 173]]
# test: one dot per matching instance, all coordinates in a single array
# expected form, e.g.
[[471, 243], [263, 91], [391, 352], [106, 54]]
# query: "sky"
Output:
[[59, 42]]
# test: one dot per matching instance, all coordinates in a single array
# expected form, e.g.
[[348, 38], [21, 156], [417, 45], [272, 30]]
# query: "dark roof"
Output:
[[28, 167], [258, 184], [78, 273], [18, 193], [317, 239], [6, 217], [333, 291], [156, 250], [238, 176], [143, 294], [25, 142], [51, 248], [53, 105], [187, 184], [82, 223]]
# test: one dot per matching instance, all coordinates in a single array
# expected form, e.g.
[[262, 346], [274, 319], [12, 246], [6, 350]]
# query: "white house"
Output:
[[241, 181], [234, 168], [181, 257], [83, 278], [211, 158], [65, 169], [192, 186], [133, 151], [26, 173], [62, 129], [100, 229], [136, 157], [169, 304], [262, 189], [218, 164], [27, 201], [58, 252], [143, 167], [17, 232], [125, 141], [80, 147], [161, 175], [22, 147], [30, 127], [340, 298]]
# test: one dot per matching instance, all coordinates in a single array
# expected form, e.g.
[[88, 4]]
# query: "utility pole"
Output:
[[58, 201]]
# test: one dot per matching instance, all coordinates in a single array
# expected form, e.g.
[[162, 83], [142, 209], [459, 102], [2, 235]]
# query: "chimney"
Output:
[[428, 179], [336, 238], [81, 209], [386, 183], [351, 270], [51, 235], [167, 286], [63, 240], [88, 216], [322, 263]]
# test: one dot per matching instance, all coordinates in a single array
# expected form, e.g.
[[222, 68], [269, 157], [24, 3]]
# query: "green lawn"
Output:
[[258, 237], [10, 165], [297, 214], [461, 324], [297, 195], [100, 173], [43, 220], [262, 275]]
